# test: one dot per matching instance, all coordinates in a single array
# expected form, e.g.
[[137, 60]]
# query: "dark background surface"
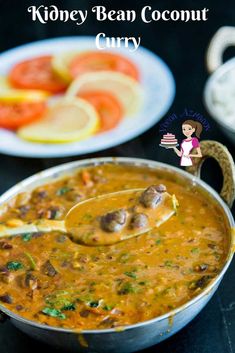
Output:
[[182, 46]]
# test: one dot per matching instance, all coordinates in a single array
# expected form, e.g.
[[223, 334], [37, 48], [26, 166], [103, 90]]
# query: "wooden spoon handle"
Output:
[[42, 225]]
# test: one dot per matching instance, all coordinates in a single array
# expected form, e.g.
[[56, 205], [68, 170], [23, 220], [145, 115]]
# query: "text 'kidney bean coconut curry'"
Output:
[[48, 278]]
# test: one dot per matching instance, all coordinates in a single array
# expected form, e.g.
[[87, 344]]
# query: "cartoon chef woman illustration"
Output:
[[189, 127]]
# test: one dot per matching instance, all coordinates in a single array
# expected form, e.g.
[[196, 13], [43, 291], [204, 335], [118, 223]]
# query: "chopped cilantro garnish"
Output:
[[194, 250], [94, 304], [31, 260], [108, 307], [168, 263], [127, 288], [14, 265], [63, 190], [175, 203], [142, 283], [69, 307], [26, 237], [54, 313], [130, 274]]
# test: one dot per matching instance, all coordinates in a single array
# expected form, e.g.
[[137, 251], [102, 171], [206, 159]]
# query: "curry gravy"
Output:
[[49, 279]]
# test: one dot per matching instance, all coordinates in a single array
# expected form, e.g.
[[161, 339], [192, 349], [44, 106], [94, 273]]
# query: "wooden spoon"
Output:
[[90, 222]]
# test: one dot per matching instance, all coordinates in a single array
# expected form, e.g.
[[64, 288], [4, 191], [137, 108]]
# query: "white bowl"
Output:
[[226, 125], [223, 38]]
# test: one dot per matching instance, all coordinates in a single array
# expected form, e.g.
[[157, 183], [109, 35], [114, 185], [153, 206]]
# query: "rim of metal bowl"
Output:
[[68, 169], [229, 65]]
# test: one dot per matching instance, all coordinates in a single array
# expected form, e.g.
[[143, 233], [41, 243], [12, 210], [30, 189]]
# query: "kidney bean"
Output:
[[150, 198], [48, 269], [138, 220], [113, 221], [5, 246], [6, 298]]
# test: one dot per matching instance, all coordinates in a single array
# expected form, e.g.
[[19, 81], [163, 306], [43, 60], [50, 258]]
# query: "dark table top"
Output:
[[183, 48]]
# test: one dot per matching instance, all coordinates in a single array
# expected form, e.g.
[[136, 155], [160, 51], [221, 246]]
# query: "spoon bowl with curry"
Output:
[[107, 219]]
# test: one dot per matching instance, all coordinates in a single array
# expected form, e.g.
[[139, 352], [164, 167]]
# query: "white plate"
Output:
[[156, 79]]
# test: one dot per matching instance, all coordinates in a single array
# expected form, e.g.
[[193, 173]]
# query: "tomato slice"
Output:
[[100, 61], [36, 73], [107, 106], [14, 115]]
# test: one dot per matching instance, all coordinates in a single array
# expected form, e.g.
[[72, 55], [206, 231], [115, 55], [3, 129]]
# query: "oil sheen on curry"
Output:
[[50, 279]]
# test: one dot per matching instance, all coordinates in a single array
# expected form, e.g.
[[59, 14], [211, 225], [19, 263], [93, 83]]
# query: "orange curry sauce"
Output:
[[49, 279]]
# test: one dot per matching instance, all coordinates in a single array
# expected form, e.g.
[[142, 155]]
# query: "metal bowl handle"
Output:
[[222, 39], [214, 149]]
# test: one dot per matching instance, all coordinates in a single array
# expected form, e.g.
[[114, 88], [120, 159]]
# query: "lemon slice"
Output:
[[60, 63], [68, 120], [4, 84], [124, 88], [9, 95]]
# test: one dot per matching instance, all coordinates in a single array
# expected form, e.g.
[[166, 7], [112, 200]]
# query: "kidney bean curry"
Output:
[[45, 277]]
